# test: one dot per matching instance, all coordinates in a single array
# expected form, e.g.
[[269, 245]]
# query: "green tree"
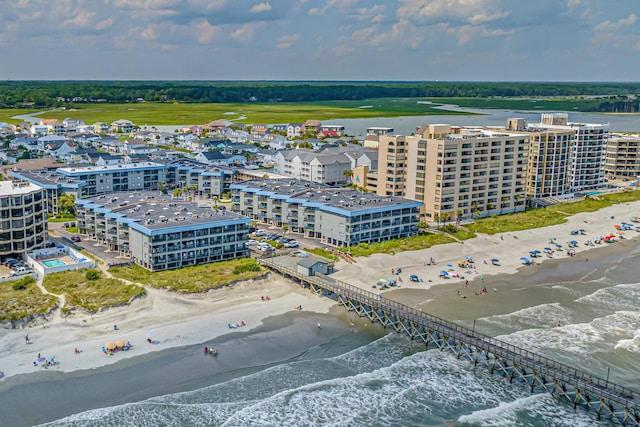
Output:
[[67, 204]]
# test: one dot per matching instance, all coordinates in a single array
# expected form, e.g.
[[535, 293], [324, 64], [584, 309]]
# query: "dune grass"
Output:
[[552, 215], [90, 294], [193, 279], [392, 247], [22, 301]]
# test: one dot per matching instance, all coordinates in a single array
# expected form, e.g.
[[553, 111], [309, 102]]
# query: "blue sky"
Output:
[[489, 40]]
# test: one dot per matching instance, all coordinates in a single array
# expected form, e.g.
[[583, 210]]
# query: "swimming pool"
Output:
[[53, 263], [594, 193]]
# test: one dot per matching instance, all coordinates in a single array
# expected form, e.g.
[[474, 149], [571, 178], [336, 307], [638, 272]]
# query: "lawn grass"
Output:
[[18, 304], [62, 219], [552, 215], [167, 114], [72, 230], [6, 114], [193, 279], [90, 294]]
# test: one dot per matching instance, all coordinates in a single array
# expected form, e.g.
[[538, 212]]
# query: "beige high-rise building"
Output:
[[455, 172], [550, 158], [623, 156]]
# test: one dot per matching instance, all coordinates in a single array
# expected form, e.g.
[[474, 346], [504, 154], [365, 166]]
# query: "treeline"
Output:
[[58, 93]]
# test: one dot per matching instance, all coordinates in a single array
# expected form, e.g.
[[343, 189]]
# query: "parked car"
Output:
[[252, 242], [50, 244], [291, 244], [259, 233], [19, 270], [75, 238]]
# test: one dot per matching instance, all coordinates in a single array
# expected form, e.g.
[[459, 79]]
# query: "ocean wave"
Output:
[[539, 409]]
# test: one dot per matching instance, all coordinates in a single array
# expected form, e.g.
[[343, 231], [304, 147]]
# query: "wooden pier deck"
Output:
[[540, 374]]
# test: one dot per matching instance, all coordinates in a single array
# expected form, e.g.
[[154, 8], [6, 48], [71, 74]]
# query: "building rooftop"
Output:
[[47, 178], [111, 168], [153, 210], [11, 188], [312, 193]]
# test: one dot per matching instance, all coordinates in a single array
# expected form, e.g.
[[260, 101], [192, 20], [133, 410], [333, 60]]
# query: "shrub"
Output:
[[244, 268], [92, 274], [23, 283]]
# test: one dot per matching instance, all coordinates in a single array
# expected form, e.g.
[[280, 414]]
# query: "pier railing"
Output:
[[583, 381]]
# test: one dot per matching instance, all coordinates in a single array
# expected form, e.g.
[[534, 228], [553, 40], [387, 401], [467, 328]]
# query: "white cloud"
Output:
[[260, 7], [206, 32], [149, 33], [286, 42], [614, 26], [338, 4], [244, 33], [103, 25]]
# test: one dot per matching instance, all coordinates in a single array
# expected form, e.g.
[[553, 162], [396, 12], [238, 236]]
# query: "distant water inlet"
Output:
[[540, 374]]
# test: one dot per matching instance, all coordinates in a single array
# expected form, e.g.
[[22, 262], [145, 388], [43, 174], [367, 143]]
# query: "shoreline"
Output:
[[181, 320], [172, 320]]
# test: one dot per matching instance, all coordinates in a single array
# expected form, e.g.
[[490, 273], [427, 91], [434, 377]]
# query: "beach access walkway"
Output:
[[540, 374]]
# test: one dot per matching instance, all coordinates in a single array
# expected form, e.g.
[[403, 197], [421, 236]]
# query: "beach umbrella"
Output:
[[383, 280], [548, 249], [449, 265], [444, 272], [42, 359], [121, 343], [534, 251], [469, 258], [51, 358], [525, 259], [110, 345]]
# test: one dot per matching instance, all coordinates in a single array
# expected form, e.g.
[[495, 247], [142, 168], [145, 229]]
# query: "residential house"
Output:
[[294, 130], [54, 126], [122, 126], [320, 167], [217, 158], [332, 130], [101, 127], [278, 143], [280, 128], [59, 150], [43, 141], [105, 159], [38, 129], [311, 126]]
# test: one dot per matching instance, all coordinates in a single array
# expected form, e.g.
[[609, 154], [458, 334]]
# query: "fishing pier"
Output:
[[540, 374]]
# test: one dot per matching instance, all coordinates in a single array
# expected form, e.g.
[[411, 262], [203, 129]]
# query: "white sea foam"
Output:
[[632, 344], [583, 339], [540, 316], [540, 407]]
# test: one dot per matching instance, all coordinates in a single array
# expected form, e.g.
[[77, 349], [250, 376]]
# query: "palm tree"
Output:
[[490, 206], [437, 218], [503, 200], [474, 209], [458, 217], [517, 197], [177, 192]]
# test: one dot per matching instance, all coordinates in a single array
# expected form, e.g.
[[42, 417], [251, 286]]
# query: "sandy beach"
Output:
[[178, 320], [170, 319], [508, 248]]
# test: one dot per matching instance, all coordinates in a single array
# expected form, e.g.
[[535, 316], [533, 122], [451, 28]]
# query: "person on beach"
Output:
[[262, 297], [206, 350], [26, 339], [318, 325]]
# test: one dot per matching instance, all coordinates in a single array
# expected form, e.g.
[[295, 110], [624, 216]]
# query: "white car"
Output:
[[291, 244], [252, 242], [259, 233]]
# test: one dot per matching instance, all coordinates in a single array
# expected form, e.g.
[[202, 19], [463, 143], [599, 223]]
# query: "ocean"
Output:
[[366, 375]]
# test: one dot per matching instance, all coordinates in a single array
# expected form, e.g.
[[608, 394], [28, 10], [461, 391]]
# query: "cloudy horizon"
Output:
[[321, 40]]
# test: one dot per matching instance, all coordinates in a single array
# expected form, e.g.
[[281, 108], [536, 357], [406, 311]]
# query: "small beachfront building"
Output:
[[311, 266], [160, 233]]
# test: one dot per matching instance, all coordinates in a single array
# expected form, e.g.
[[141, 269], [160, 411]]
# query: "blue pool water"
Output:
[[53, 263]]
